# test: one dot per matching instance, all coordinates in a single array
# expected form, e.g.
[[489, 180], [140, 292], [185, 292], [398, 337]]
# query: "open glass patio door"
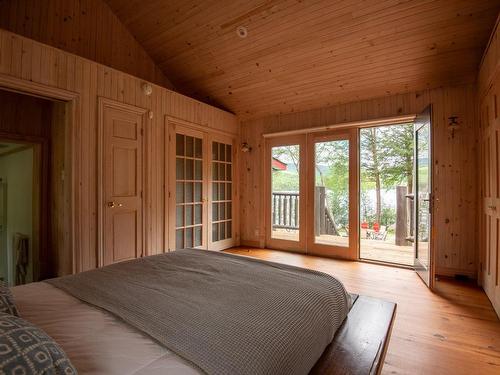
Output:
[[332, 190], [423, 196]]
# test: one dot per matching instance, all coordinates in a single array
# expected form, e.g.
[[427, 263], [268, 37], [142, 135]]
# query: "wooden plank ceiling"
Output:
[[303, 54]]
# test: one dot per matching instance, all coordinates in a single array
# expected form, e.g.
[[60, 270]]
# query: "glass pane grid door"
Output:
[[188, 191], [222, 188]]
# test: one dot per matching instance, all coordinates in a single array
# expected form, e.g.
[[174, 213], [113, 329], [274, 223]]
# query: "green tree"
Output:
[[396, 144], [371, 165]]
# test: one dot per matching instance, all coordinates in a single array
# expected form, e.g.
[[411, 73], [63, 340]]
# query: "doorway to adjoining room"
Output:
[[16, 213]]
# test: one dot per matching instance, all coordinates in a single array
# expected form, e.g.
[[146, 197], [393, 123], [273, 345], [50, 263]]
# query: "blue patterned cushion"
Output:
[[26, 349], [7, 300]]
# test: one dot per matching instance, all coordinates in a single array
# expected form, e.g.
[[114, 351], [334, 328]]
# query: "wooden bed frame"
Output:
[[360, 344]]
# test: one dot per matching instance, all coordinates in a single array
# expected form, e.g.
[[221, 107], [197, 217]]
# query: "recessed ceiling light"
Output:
[[242, 31]]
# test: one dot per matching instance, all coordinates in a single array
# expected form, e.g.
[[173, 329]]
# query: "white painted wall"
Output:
[[16, 172]]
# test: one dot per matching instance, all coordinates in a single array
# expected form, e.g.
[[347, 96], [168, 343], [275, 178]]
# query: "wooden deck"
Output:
[[382, 251], [451, 331]]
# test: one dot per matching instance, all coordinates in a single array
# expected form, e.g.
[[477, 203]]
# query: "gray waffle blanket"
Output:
[[225, 313]]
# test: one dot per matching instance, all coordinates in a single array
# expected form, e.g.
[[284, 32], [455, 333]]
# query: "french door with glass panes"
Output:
[[221, 208], [285, 192], [332, 190], [200, 202]]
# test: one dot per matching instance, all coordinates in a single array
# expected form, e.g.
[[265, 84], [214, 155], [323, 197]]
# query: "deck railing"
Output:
[[285, 211]]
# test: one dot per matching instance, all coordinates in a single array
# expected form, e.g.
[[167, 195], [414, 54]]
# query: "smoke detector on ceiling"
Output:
[[242, 31]]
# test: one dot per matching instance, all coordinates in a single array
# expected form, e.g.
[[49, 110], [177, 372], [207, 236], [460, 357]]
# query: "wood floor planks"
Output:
[[452, 331]]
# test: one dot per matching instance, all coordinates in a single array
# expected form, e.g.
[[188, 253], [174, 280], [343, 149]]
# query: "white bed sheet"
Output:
[[95, 341]]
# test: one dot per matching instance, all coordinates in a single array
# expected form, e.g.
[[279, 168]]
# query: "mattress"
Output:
[[95, 341]]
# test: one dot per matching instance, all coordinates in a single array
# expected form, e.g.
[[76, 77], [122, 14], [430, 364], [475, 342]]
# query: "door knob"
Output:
[[113, 204]]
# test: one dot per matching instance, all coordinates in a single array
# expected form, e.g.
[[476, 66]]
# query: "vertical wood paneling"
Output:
[[489, 198], [55, 68], [87, 28], [454, 166]]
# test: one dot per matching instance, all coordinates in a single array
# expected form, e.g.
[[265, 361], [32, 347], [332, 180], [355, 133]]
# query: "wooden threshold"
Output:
[[360, 344]]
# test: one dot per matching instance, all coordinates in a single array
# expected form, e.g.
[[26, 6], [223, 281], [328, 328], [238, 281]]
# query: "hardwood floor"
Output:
[[451, 331]]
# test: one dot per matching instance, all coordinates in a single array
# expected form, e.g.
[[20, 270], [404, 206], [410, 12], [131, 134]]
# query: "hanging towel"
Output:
[[21, 243]]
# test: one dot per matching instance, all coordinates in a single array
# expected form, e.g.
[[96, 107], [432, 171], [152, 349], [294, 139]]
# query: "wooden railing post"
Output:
[[401, 216]]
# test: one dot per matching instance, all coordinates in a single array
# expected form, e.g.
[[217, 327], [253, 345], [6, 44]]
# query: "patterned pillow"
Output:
[[26, 349], [7, 300]]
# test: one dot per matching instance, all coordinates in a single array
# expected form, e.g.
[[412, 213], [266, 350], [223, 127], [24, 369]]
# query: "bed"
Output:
[[102, 339]]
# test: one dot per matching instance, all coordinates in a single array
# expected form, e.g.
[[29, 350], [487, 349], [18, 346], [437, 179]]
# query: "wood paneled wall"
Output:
[[87, 28], [36, 63], [454, 166], [489, 200]]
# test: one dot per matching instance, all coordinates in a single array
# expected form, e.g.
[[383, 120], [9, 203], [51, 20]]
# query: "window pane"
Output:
[[179, 216], [222, 191], [215, 191], [198, 210], [215, 171], [198, 150], [197, 236], [189, 237], [189, 169], [215, 151], [228, 153], [179, 239], [215, 232], [189, 146], [285, 196], [222, 171], [331, 194], [179, 168], [229, 232], [222, 152], [222, 231], [198, 173], [179, 144], [189, 192], [222, 211], [179, 192], [197, 191], [215, 211], [189, 215]]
